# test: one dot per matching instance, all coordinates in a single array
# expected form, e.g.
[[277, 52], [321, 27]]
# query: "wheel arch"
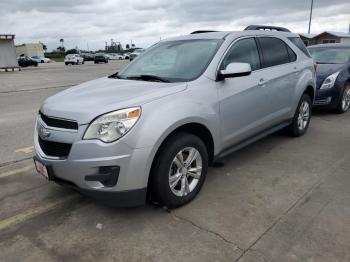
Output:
[[195, 128], [310, 91]]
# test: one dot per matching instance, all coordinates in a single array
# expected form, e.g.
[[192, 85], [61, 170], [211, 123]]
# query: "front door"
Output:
[[243, 105]]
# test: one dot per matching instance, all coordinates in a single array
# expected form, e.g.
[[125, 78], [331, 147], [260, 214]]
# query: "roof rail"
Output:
[[266, 27], [202, 31]]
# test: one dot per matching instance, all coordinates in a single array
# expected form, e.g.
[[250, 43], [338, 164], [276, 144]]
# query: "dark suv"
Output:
[[25, 61], [100, 59]]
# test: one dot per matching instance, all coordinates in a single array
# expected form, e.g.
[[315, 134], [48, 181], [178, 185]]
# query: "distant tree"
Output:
[[61, 49], [127, 46], [62, 41], [72, 51]]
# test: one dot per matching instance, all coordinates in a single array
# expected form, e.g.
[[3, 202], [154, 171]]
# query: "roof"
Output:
[[307, 35], [337, 34], [336, 45], [224, 34], [7, 37]]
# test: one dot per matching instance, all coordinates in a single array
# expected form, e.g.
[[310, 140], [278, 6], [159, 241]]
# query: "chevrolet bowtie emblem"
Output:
[[44, 133]]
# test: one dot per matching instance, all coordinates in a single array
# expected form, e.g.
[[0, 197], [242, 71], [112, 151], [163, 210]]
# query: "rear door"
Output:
[[281, 75]]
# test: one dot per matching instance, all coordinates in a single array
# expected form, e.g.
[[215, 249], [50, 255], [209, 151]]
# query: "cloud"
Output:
[[91, 23]]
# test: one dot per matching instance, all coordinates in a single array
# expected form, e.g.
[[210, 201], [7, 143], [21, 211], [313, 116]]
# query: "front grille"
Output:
[[58, 122], [54, 149]]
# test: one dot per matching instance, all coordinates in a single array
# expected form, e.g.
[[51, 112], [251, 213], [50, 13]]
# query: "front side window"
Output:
[[243, 51], [173, 61], [274, 51]]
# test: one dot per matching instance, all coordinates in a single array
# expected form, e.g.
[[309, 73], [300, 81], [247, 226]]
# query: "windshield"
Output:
[[330, 55], [174, 61]]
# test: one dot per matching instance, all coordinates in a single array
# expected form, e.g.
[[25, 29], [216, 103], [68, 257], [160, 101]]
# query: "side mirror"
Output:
[[235, 70]]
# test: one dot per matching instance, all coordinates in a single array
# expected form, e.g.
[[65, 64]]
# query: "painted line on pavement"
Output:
[[17, 171], [33, 212], [25, 150]]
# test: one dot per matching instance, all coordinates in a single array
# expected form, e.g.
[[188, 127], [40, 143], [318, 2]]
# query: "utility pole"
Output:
[[312, 6]]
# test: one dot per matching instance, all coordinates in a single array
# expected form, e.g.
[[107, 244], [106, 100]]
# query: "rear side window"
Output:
[[300, 44], [243, 51], [274, 51], [292, 55]]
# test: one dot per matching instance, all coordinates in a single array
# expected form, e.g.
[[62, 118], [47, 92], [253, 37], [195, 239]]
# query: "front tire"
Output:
[[344, 102], [302, 117], [179, 170]]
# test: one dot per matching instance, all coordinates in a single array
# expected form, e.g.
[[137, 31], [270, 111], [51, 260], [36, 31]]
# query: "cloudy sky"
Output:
[[90, 23]]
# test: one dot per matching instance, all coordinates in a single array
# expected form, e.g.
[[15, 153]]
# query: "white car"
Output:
[[116, 57], [41, 59], [73, 59]]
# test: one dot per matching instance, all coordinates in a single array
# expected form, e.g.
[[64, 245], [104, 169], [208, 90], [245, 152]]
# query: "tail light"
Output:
[[315, 69]]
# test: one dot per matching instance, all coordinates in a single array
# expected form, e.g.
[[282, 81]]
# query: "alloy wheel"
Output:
[[346, 99], [185, 171], [304, 115]]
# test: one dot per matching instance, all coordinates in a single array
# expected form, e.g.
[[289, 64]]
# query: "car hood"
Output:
[[86, 101], [325, 70]]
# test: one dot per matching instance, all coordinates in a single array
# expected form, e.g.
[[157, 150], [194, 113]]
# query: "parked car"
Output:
[[126, 56], [135, 54], [100, 59], [41, 59], [115, 57], [333, 76], [153, 128], [73, 59], [88, 57], [25, 61]]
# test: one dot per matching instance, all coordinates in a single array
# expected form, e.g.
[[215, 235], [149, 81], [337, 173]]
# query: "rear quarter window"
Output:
[[300, 44]]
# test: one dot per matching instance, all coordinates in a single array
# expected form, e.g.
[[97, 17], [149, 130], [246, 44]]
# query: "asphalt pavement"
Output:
[[280, 199]]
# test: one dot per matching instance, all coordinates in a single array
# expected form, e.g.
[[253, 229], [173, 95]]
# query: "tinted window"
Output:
[[292, 55], [300, 44], [274, 51], [243, 51]]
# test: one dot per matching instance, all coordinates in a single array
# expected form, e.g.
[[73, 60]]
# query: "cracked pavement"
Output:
[[280, 199]]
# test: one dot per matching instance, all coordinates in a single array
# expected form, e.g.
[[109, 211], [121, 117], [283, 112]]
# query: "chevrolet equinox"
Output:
[[152, 129]]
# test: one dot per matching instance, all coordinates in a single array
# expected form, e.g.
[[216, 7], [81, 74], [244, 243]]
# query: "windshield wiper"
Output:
[[326, 63], [149, 78], [115, 75]]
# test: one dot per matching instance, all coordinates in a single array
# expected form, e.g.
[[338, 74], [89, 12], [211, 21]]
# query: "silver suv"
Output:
[[152, 130]]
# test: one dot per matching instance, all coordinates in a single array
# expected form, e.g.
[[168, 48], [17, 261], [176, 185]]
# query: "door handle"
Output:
[[262, 82]]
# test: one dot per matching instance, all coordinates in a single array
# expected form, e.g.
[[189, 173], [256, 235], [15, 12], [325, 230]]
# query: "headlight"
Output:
[[114, 125], [329, 81]]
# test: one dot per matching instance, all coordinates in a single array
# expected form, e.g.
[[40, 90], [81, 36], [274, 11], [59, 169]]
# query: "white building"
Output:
[[326, 37], [8, 59], [30, 49]]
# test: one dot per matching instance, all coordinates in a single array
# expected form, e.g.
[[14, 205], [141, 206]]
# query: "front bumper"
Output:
[[328, 98], [110, 172], [128, 198]]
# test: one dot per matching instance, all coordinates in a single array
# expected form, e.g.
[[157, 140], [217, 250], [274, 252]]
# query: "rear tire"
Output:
[[302, 117], [344, 102], [179, 170]]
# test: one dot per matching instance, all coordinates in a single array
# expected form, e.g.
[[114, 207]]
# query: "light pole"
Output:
[[312, 6]]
